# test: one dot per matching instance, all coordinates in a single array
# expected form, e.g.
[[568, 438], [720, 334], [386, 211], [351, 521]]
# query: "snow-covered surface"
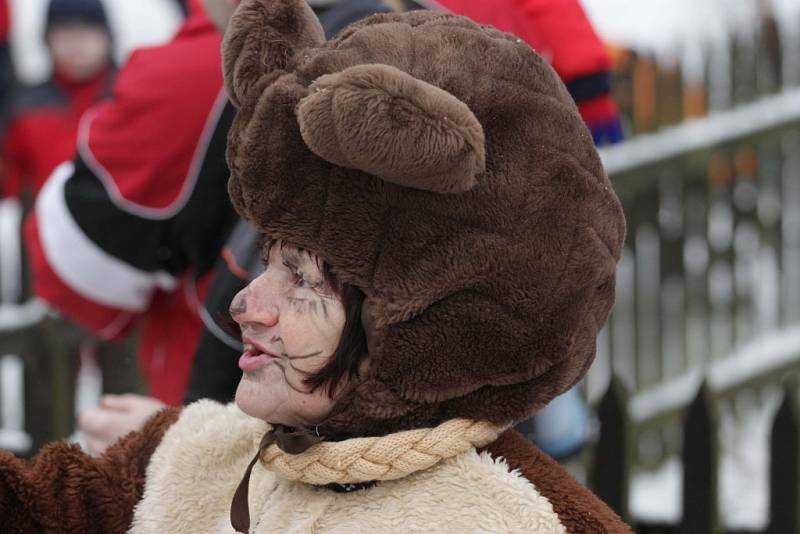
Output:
[[744, 430], [664, 397], [15, 440], [695, 33], [134, 23], [699, 133], [768, 353], [12, 396], [665, 27], [657, 26], [744, 468], [655, 496], [10, 256], [15, 317]]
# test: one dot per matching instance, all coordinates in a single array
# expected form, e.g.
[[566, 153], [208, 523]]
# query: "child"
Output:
[[44, 120]]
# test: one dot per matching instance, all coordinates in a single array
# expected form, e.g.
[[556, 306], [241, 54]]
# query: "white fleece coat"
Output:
[[194, 472]]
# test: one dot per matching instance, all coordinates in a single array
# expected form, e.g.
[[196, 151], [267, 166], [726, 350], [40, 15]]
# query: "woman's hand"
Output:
[[116, 416]]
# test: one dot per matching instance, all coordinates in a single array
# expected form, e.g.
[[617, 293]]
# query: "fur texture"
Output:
[[65, 490], [435, 142], [193, 475], [483, 303], [578, 508]]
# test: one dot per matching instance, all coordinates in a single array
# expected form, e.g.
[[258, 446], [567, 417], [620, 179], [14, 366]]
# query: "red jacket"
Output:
[[122, 235], [5, 20], [560, 31], [43, 128]]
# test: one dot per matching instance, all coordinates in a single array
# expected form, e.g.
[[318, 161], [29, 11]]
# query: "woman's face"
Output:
[[291, 323]]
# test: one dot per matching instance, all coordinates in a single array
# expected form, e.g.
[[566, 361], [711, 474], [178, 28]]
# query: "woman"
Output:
[[443, 242]]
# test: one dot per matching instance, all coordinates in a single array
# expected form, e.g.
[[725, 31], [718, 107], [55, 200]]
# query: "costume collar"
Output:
[[303, 457]]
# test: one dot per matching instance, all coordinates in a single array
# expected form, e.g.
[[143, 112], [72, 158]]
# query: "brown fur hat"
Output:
[[442, 167]]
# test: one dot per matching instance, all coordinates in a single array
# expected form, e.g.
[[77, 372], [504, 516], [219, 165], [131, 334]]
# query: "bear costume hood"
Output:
[[441, 167]]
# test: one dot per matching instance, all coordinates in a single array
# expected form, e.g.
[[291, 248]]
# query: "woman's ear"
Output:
[[261, 37], [380, 120]]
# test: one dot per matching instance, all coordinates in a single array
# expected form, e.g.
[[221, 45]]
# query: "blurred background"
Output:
[[693, 396], [697, 365], [133, 24]]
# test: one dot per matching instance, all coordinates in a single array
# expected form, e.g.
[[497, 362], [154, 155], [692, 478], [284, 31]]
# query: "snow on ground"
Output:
[[655, 496], [744, 470]]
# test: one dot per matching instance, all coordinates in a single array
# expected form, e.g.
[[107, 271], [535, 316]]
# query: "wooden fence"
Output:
[[707, 317], [700, 456], [49, 368]]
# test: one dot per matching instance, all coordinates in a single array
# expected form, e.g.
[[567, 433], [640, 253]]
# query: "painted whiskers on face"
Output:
[[291, 319], [310, 302], [282, 359], [305, 305], [289, 359], [286, 359]]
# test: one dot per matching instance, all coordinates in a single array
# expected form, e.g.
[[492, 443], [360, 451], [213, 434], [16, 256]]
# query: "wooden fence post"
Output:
[[610, 472], [700, 467], [784, 467]]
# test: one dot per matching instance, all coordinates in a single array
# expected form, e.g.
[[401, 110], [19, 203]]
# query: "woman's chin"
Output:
[[247, 399], [266, 396], [258, 400]]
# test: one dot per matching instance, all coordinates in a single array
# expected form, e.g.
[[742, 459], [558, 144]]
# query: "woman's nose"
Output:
[[254, 304], [238, 304]]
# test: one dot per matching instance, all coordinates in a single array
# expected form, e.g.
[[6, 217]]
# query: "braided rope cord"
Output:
[[382, 458]]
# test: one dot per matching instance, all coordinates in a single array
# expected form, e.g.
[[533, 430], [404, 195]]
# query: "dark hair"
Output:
[[345, 360], [89, 11], [352, 346]]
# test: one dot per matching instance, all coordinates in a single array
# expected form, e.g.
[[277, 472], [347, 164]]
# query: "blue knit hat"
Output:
[[89, 11]]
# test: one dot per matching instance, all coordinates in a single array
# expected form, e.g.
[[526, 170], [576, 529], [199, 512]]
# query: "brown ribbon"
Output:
[[288, 440]]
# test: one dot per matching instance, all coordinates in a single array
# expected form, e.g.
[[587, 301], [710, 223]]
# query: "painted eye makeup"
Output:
[[300, 281]]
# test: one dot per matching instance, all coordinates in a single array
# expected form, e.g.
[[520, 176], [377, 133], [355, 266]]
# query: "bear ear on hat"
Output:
[[261, 37], [383, 121]]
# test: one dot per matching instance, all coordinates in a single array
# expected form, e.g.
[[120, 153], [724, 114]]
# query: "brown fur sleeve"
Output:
[[578, 508], [65, 490]]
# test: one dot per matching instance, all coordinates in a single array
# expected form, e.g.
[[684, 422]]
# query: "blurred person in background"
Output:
[[123, 236], [43, 120]]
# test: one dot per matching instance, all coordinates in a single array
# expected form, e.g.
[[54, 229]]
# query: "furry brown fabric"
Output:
[[443, 168], [435, 142], [64, 490], [577, 508]]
